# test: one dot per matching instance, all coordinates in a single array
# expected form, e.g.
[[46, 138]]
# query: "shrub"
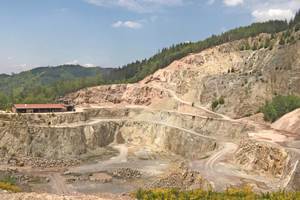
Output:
[[254, 48], [52, 114], [282, 41], [9, 178], [3, 124], [248, 115], [39, 116], [8, 186], [214, 104], [280, 106], [221, 100], [232, 70], [193, 104], [297, 27]]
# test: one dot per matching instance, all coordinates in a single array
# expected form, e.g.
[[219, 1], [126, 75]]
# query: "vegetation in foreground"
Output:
[[245, 193], [8, 183], [280, 106]]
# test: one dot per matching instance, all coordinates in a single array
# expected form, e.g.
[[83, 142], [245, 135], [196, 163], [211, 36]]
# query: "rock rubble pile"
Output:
[[127, 173], [183, 179], [76, 179], [44, 162]]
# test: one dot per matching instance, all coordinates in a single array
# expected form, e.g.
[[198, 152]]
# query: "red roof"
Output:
[[38, 106]]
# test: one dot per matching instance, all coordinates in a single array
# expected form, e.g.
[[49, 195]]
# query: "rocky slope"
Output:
[[203, 78], [289, 122]]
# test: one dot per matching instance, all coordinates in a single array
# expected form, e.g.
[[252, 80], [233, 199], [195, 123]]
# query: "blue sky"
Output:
[[112, 33]]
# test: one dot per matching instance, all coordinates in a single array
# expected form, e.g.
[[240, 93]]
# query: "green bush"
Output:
[[214, 104], [221, 100], [9, 178], [8, 186], [280, 106], [297, 27], [282, 41], [39, 116]]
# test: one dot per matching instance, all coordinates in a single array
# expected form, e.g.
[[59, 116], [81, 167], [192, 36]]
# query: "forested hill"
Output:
[[44, 76]]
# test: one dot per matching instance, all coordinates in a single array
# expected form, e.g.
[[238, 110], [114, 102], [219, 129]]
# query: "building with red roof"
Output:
[[38, 108]]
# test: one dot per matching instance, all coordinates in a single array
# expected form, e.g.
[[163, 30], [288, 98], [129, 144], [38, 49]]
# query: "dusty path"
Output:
[[122, 157], [189, 103], [59, 181], [223, 174]]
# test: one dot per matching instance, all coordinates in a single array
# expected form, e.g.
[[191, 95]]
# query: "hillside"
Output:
[[244, 79], [44, 76]]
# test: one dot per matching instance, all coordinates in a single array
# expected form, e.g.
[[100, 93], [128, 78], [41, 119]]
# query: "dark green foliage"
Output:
[[254, 48], [221, 100], [267, 44], [248, 115], [228, 71], [214, 104], [9, 178], [247, 46], [292, 40], [45, 76], [297, 27], [282, 41], [280, 106], [232, 70]]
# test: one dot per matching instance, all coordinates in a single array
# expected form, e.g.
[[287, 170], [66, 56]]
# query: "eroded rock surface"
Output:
[[183, 179], [263, 158]]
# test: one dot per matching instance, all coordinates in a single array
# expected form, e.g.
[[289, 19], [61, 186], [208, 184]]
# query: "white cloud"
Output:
[[140, 6], [264, 10], [153, 18], [232, 2], [272, 14], [211, 2], [89, 65], [118, 24], [9, 58], [223, 29], [129, 24], [61, 10], [23, 65], [132, 24], [75, 62]]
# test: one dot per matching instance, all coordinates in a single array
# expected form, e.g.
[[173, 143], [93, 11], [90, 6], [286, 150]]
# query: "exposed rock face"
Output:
[[132, 125], [259, 76], [183, 179], [263, 158], [116, 94]]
